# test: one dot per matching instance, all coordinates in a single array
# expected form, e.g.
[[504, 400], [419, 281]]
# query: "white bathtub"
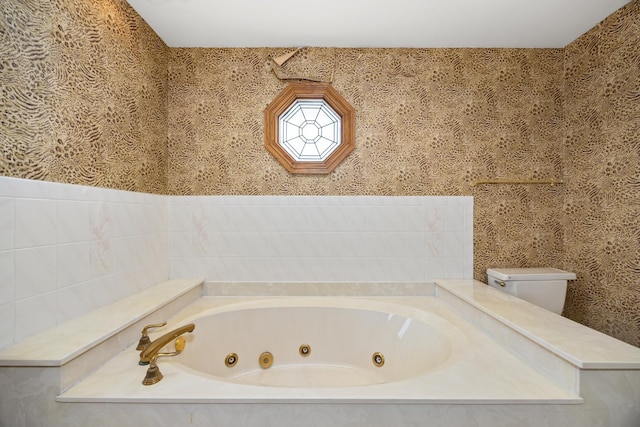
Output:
[[431, 355], [319, 342]]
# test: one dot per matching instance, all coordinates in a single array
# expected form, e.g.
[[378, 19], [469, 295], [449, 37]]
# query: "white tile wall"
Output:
[[6, 223], [68, 249], [303, 238]]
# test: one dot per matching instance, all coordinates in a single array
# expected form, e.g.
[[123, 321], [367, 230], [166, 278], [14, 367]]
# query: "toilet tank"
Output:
[[544, 287]]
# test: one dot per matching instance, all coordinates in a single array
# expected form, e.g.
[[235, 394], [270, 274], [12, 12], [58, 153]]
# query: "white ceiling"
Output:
[[373, 23]]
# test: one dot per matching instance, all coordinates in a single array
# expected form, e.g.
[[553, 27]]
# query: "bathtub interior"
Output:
[[342, 340]]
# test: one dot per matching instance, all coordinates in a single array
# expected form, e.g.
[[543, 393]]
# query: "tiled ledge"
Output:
[[577, 344], [65, 342]]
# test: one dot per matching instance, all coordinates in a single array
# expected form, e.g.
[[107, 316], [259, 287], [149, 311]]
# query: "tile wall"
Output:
[[313, 238], [69, 249]]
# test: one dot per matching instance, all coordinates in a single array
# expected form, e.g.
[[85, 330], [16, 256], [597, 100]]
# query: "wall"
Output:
[[428, 122], [83, 96], [602, 167], [68, 249], [320, 239], [84, 100]]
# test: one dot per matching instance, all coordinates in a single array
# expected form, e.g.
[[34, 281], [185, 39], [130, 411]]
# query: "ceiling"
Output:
[[373, 23]]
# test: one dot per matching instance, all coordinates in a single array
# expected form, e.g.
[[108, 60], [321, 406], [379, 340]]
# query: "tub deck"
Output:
[[516, 353], [484, 373]]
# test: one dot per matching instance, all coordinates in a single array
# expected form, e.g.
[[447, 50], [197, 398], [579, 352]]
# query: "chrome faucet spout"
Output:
[[152, 350]]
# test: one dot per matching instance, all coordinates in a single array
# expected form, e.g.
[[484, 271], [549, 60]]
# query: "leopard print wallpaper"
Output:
[[602, 166], [83, 98], [90, 95]]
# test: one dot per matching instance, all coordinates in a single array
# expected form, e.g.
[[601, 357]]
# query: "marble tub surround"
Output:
[[543, 372], [583, 347], [80, 345], [476, 372], [557, 347], [609, 396]]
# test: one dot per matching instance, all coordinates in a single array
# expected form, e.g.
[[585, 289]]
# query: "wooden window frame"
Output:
[[309, 90]]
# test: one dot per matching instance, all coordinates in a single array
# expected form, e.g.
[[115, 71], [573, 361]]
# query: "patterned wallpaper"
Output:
[[90, 95], [602, 166], [83, 94], [428, 121]]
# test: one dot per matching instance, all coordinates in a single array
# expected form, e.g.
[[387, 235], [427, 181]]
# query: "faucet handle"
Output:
[[180, 344], [144, 339]]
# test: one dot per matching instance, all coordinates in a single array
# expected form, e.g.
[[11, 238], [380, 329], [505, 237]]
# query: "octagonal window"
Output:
[[309, 128]]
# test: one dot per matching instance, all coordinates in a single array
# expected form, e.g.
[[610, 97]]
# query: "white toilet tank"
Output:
[[544, 287]]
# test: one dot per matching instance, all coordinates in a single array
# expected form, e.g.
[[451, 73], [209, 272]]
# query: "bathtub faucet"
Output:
[[154, 347], [149, 356]]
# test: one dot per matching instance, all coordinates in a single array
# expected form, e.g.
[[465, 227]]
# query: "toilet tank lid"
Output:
[[546, 273]]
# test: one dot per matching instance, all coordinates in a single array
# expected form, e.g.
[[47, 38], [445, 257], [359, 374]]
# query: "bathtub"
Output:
[[456, 352], [430, 354], [311, 342]]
